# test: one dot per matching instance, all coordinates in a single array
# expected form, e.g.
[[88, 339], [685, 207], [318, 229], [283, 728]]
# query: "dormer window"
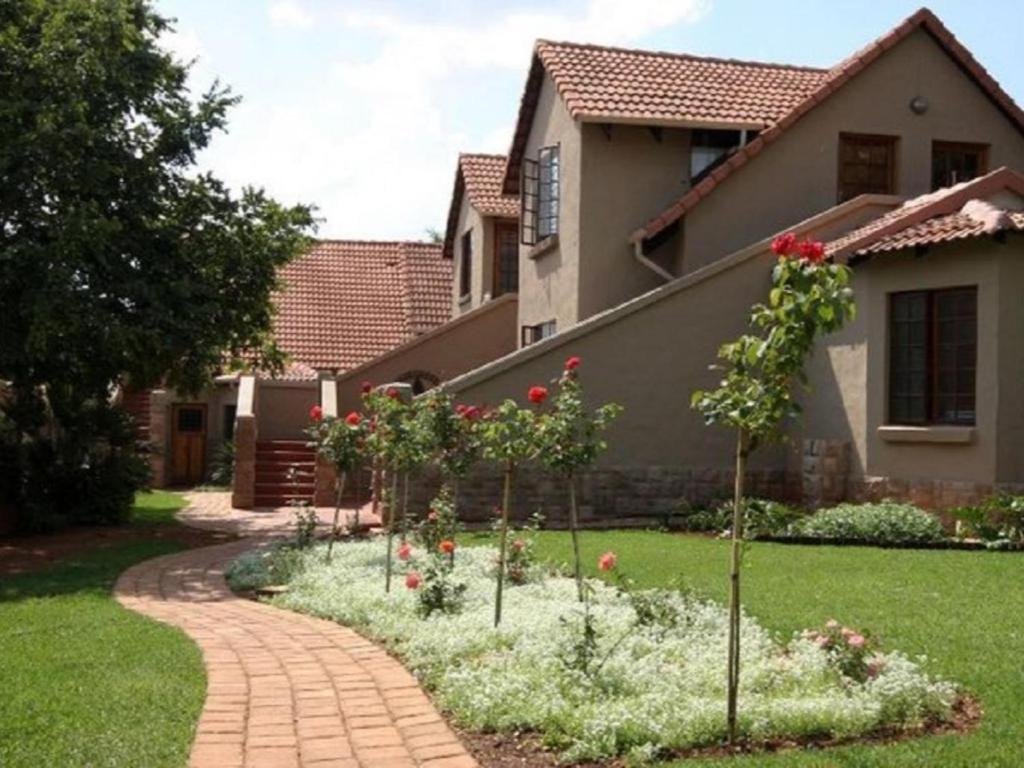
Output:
[[709, 149], [540, 196], [954, 162]]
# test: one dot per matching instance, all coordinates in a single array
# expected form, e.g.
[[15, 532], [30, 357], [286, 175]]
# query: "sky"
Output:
[[361, 107]]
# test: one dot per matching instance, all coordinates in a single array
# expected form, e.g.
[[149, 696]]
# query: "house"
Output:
[[651, 185], [341, 304]]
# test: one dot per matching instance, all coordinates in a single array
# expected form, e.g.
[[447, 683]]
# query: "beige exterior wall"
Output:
[[282, 408], [849, 374], [460, 345], [481, 231], [797, 175], [626, 173], [549, 282]]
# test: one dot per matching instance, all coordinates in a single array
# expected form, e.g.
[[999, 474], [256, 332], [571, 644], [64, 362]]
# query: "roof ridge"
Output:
[[491, 155], [681, 55], [341, 240], [837, 77]]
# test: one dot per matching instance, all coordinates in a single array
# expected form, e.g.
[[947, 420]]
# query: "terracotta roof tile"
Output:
[[479, 177], [947, 214], [838, 76], [345, 302], [619, 85]]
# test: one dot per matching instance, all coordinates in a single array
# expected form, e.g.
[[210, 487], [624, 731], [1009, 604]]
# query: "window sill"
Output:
[[549, 243], [464, 300], [933, 434]]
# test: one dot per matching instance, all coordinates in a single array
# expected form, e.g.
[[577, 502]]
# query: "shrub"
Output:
[[222, 464], [264, 567], [764, 517], [997, 520], [884, 523]]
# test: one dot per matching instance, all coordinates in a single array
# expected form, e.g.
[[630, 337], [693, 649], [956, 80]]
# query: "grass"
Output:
[[961, 609], [86, 682]]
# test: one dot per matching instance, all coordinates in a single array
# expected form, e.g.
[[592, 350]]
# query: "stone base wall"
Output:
[[927, 494], [611, 496], [825, 467]]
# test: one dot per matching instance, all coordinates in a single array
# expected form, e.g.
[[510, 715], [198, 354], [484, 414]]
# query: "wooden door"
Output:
[[188, 444]]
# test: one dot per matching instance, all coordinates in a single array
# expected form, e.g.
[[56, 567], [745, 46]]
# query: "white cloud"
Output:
[[373, 142], [184, 44], [289, 13]]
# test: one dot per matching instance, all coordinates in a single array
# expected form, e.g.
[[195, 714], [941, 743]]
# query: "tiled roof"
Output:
[[945, 229], [344, 302], [833, 81], [479, 177], [947, 214], [618, 85]]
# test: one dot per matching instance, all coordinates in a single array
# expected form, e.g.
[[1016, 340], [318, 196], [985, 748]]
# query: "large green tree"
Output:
[[118, 259]]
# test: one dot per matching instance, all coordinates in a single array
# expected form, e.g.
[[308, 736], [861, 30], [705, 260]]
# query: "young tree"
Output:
[[117, 260], [342, 444], [386, 413], [809, 297], [509, 436], [451, 434], [570, 440]]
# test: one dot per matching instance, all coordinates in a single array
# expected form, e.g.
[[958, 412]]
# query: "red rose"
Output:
[[537, 394], [784, 244], [353, 419], [812, 251], [392, 393], [461, 409], [413, 580], [432, 516], [607, 561], [518, 545], [446, 547], [404, 551], [366, 387], [316, 413], [572, 363], [472, 413]]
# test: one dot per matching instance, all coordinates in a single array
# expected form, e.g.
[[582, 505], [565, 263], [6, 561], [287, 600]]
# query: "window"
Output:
[[953, 162], [228, 427], [506, 259], [708, 149], [466, 265], [867, 164], [540, 196], [932, 356], [534, 333]]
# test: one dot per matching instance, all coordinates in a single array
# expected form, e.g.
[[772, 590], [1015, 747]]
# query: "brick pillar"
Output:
[[826, 466], [243, 487], [159, 403], [323, 493]]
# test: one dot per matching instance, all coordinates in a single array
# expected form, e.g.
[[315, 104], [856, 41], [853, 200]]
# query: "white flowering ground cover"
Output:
[[660, 688]]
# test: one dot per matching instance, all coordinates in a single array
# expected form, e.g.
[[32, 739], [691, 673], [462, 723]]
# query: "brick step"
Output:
[[284, 445], [285, 477], [285, 455]]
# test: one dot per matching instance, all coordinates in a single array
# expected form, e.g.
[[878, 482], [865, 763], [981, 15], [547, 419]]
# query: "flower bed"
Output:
[[653, 686]]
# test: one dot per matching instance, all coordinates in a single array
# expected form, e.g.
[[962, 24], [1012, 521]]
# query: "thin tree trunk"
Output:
[[455, 514], [339, 490], [405, 506], [376, 490], [391, 528], [734, 585], [502, 540], [359, 497], [573, 529]]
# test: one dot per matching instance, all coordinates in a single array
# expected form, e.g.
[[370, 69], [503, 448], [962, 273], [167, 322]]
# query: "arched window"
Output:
[[421, 381]]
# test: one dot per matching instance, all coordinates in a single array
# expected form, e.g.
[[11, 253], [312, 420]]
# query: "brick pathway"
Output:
[[285, 689]]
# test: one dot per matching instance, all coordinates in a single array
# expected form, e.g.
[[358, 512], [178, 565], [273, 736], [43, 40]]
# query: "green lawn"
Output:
[[964, 610], [84, 682]]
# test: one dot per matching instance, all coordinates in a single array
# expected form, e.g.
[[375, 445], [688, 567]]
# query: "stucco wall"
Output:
[[282, 408], [458, 346], [797, 175], [627, 172], [481, 272], [549, 283], [849, 373]]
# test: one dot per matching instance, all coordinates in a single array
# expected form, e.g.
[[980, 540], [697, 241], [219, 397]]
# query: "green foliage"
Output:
[[118, 262], [306, 521], [996, 520], [449, 432], [222, 463], [265, 567], [339, 442], [763, 517], [571, 438], [438, 591], [884, 523], [440, 523], [509, 434], [756, 394]]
